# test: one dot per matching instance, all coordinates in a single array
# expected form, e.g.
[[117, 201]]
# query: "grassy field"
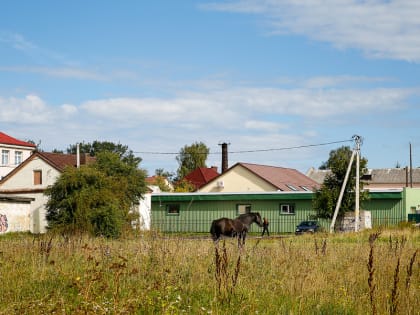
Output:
[[373, 272]]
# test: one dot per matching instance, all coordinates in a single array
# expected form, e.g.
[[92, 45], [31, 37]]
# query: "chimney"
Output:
[[225, 165], [78, 155]]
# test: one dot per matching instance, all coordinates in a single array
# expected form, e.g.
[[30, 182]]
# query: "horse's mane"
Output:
[[248, 214]]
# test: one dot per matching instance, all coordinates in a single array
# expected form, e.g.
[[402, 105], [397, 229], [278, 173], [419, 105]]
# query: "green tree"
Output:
[[326, 197], [96, 147], [184, 185], [191, 157], [96, 198]]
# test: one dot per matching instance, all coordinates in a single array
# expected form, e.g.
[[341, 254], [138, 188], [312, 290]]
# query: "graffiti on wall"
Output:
[[3, 223]]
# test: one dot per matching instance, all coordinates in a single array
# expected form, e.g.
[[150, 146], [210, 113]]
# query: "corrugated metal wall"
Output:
[[196, 216], [385, 212], [198, 211]]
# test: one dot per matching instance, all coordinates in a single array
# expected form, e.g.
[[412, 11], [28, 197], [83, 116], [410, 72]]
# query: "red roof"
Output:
[[6, 139], [201, 176], [285, 179]]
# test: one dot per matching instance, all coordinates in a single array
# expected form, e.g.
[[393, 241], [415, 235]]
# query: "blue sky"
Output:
[[262, 75]]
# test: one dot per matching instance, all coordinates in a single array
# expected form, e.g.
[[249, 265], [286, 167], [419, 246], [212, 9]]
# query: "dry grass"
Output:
[[152, 274]]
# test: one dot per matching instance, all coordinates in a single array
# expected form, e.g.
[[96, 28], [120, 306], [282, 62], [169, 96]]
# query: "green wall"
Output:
[[197, 211]]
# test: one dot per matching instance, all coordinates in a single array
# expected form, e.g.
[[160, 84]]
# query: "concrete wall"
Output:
[[15, 216], [412, 200]]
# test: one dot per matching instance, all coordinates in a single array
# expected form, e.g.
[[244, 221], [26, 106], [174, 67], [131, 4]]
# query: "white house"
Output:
[[13, 153], [31, 178]]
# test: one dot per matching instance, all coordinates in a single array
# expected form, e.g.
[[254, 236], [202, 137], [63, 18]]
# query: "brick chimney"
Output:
[[225, 164]]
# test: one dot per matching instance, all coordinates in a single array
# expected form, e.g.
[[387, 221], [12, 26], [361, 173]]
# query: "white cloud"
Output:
[[31, 109], [264, 126], [69, 110], [379, 28], [60, 72]]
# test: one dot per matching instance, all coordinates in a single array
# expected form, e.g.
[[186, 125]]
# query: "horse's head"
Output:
[[258, 219]]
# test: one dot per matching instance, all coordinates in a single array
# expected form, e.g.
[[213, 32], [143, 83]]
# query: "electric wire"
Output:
[[251, 151]]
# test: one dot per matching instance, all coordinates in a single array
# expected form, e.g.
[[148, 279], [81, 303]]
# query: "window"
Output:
[[5, 157], [306, 188], [292, 187], [18, 157], [172, 209], [38, 177], [243, 208], [287, 209]]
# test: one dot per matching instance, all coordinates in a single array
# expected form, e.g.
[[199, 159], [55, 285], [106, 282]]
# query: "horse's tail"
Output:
[[214, 231]]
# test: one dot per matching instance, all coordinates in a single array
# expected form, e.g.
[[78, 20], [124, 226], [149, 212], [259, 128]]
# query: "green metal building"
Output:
[[194, 212]]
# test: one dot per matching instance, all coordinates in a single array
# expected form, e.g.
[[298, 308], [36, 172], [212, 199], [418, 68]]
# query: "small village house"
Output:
[[30, 179]]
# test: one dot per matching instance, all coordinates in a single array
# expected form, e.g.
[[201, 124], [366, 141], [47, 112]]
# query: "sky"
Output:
[[282, 82]]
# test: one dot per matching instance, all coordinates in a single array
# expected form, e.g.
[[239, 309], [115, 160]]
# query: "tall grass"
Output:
[[155, 274]]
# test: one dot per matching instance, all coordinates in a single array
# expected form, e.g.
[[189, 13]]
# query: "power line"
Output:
[[252, 151]]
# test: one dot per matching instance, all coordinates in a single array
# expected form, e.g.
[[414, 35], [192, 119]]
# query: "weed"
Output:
[[371, 270]]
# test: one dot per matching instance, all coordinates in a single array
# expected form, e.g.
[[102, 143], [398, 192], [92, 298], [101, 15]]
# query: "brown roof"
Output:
[[201, 176], [60, 161], [57, 160], [285, 179]]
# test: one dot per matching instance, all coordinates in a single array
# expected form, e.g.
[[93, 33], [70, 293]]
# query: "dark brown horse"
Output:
[[238, 227]]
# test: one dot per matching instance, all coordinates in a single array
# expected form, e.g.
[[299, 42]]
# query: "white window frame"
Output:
[[18, 157], [5, 157], [287, 208], [173, 209], [242, 208]]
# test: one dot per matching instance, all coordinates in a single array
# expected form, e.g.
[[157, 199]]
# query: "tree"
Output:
[[191, 157], [96, 147], [326, 197], [96, 198]]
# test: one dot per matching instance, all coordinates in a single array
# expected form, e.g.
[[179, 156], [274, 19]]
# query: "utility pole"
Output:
[[356, 151], [358, 141]]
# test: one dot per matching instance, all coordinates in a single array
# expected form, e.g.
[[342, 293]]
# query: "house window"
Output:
[[287, 209], [18, 157], [243, 208], [38, 177], [172, 209], [5, 157]]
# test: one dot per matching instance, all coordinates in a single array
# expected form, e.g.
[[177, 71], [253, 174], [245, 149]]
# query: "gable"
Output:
[[22, 178], [255, 178], [238, 179]]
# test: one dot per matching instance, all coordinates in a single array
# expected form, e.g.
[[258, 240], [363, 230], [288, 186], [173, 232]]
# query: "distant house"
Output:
[[378, 179], [201, 176], [247, 177], [156, 181], [13, 153], [32, 177]]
